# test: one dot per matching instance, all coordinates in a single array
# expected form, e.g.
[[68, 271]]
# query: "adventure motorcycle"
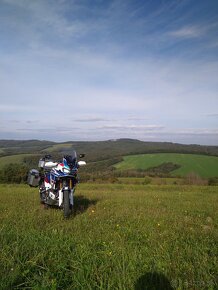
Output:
[[57, 181]]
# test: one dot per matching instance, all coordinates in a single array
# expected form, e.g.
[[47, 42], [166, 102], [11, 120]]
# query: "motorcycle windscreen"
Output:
[[71, 159]]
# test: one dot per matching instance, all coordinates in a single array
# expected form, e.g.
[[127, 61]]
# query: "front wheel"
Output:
[[66, 204]]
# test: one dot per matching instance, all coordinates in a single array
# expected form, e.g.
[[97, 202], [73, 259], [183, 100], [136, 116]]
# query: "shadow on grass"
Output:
[[153, 281], [81, 204]]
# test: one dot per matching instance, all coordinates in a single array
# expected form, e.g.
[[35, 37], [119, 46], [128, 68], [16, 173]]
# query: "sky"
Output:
[[74, 70]]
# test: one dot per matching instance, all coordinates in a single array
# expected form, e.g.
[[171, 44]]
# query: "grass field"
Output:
[[151, 181], [120, 237], [204, 166]]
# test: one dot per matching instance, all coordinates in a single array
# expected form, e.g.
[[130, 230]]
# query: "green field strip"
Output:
[[205, 166]]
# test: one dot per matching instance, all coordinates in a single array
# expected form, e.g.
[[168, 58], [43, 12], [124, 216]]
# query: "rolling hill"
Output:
[[102, 156], [101, 150]]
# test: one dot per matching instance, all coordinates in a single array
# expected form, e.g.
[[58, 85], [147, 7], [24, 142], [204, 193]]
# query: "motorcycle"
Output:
[[57, 181]]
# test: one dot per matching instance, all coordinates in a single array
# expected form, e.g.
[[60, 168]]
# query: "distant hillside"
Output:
[[101, 156], [11, 147], [101, 150]]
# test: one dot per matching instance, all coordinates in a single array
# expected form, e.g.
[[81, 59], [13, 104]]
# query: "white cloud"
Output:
[[133, 127], [193, 131], [90, 119], [212, 115], [188, 32], [11, 108]]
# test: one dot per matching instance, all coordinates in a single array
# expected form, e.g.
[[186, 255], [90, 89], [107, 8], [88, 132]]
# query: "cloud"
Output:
[[159, 130], [91, 119], [188, 32], [193, 131], [133, 127], [14, 121], [212, 115], [47, 14], [32, 121], [137, 119], [49, 130], [10, 108], [204, 32]]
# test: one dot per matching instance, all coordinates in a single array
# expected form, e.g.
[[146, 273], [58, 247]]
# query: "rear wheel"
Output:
[[66, 204], [42, 195]]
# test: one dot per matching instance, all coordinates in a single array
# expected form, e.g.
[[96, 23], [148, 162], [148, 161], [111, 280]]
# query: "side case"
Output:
[[33, 178]]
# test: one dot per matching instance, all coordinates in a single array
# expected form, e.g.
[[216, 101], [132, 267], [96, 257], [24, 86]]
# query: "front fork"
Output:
[[71, 190]]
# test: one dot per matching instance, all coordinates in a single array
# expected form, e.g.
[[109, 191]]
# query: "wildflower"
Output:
[[93, 211], [209, 220], [158, 224]]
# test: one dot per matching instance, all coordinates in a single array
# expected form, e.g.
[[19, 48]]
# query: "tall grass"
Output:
[[120, 237]]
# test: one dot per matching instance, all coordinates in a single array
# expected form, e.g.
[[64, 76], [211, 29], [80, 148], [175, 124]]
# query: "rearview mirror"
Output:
[[82, 155]]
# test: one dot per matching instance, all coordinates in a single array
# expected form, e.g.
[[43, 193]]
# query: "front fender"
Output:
[[60, 197]]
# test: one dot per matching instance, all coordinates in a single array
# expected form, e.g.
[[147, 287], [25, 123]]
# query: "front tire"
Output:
[[66, 204]]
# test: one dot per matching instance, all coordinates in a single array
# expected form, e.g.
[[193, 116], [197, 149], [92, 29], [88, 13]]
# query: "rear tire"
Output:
[[66, 204], [46, 206]]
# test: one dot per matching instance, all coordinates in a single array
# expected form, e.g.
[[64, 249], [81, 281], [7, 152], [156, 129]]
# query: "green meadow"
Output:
[[204, 166], [119, 237]]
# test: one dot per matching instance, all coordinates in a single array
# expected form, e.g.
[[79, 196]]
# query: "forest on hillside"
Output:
[[101, 150], [101, 156]]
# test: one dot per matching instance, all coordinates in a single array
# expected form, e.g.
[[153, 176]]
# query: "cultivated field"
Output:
[[120, 237], [204, 166]]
